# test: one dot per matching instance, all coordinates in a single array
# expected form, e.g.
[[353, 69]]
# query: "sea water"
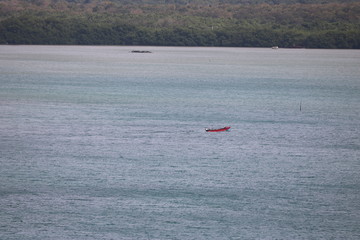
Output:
[[103, 143]]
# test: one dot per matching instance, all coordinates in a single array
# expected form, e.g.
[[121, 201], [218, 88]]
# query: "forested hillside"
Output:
[[240, 23]]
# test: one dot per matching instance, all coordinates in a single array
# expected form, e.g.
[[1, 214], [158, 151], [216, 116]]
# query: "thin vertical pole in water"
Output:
[[300, 106]]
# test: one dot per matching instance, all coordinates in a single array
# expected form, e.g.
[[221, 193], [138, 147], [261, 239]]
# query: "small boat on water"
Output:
[[217, 129]]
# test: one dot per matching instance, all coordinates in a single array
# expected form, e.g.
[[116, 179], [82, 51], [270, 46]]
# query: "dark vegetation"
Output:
[[236, 23]]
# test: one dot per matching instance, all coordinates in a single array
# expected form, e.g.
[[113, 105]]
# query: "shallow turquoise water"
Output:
[[102, 143]]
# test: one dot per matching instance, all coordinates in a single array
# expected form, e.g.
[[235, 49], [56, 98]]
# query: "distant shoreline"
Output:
[[164, 46], [194, 23]]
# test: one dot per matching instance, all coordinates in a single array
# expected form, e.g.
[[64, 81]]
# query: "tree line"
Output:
[[95, 22]]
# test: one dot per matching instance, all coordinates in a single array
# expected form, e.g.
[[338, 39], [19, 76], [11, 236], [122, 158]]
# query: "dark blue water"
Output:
[[102, 143]]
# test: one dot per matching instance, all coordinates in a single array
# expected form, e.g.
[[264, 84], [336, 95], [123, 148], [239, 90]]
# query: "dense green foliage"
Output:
[[182, 23]]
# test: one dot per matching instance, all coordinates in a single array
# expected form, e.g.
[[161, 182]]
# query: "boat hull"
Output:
[[218, 129]]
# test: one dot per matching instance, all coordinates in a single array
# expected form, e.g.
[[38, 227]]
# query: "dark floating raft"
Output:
[[138, 51]]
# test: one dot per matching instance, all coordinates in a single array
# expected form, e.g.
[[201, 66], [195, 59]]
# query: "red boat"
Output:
[[217, 129]]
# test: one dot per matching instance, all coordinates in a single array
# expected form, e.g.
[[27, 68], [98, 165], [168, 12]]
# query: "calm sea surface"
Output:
[[101, 143]]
